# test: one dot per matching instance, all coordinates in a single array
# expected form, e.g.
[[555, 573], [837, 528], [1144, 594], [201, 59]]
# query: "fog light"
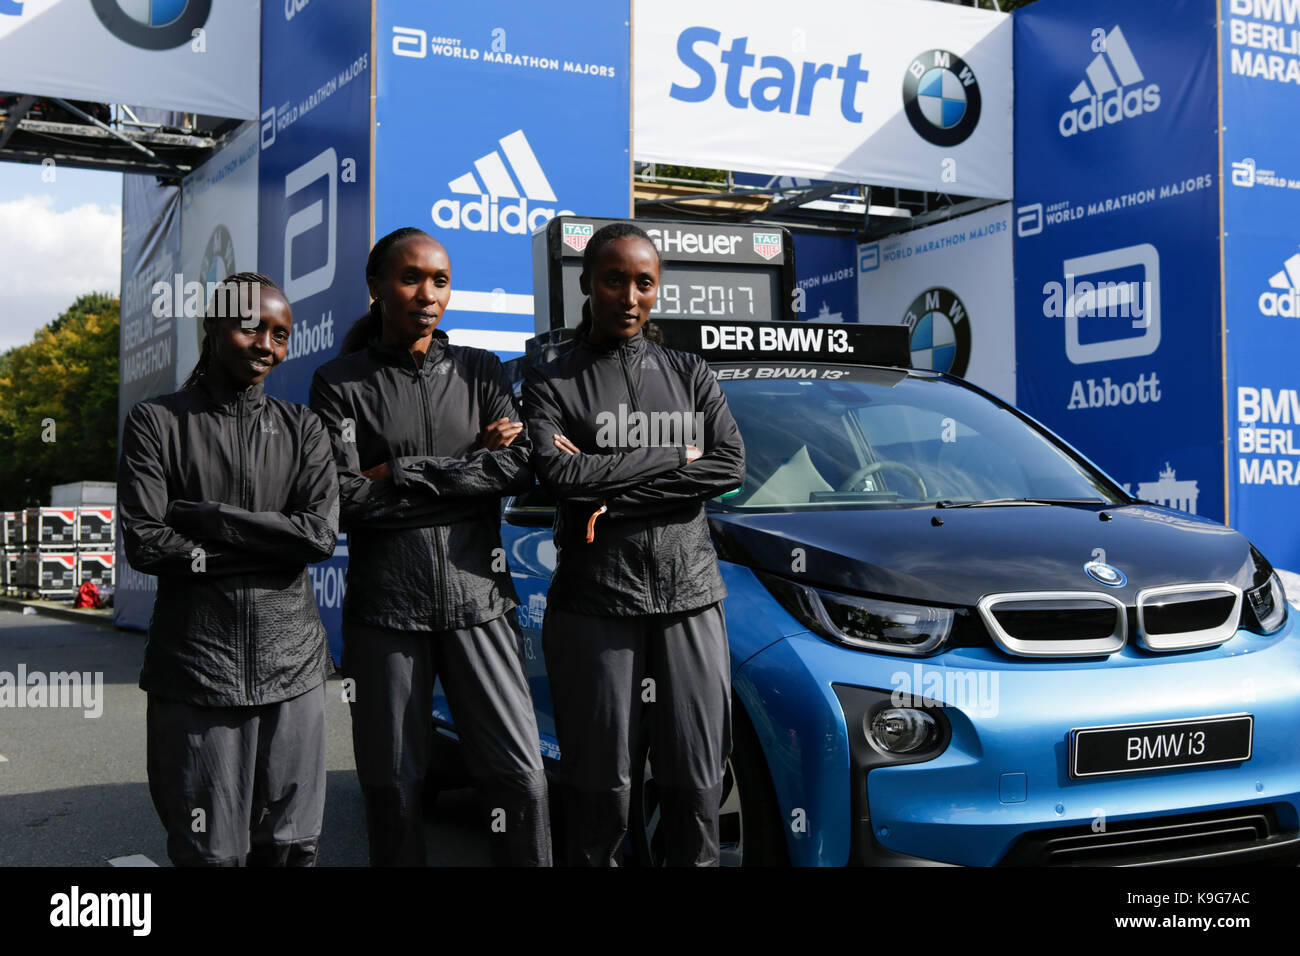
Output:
[[901, 730]]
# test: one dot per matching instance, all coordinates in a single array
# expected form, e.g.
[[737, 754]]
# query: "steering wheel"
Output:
[[855, 479]]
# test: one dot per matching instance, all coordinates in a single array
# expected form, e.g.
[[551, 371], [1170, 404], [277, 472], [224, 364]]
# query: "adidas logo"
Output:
[[502, 203], [1286, 302], [1110, 92]]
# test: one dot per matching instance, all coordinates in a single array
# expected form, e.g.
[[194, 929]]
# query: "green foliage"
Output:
[[693, 173], [61, 385]]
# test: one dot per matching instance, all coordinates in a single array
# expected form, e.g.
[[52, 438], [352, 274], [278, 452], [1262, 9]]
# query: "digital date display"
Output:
[[688, 291], [703, 291]]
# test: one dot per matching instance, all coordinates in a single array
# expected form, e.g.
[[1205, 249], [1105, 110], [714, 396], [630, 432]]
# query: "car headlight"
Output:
[[1291, 585], [1268, 602], [864, 623]]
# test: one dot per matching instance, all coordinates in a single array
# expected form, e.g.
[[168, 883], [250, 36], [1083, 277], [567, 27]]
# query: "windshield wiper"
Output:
[[993, 502]]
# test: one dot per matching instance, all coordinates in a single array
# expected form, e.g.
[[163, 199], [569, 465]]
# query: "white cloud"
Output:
[[49, 258]]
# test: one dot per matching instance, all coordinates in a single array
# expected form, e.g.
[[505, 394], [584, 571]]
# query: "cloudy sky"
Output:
[[58, 240]]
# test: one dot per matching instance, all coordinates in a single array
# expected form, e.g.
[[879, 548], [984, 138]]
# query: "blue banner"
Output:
[[151, 251], [492, 118], [826, 270], [1116, 246], [313, 204], [1261, 209]]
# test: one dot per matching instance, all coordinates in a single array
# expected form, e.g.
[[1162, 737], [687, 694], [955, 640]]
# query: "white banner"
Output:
[[218, 235], [196, 56], [952, 285], [906, 93]]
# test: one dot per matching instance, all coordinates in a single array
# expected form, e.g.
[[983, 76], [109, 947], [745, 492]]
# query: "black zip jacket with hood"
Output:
[[424, 546], [651, 552], [227, 496]]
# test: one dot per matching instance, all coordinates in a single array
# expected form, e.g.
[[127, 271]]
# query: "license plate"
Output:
[[1132, 748]]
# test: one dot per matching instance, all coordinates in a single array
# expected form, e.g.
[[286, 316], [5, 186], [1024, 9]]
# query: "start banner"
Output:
[[904, 93]]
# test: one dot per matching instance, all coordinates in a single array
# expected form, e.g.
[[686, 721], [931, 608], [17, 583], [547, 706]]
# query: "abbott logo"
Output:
[[1029, 219], [1243, 173], [1113, 298], [1109, 93], [323, 166], [493, 211], [1286, 301]]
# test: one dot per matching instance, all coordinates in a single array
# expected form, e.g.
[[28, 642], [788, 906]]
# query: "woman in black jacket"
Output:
[[227, 495], [633, 438], [427, 441]]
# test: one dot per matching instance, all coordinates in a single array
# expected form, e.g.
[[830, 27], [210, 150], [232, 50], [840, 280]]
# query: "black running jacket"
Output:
[[650, 552], [424, 547], [227, 496]]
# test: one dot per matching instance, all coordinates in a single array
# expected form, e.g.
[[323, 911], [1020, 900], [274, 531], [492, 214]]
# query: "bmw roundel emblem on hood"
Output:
[[1105, 574]]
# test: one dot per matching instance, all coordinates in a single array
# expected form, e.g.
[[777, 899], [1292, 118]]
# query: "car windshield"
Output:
[[858, 437]]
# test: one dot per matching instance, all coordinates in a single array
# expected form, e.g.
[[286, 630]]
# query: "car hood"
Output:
[[901, 553]]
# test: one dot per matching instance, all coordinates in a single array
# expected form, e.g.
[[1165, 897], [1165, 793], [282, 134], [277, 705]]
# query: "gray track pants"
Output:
[[482, 673], [239, 785], [606, 675]]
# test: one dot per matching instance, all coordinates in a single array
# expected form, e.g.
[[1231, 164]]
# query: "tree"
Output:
[[58, 404]]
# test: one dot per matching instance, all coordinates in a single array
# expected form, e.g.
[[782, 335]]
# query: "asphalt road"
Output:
[[73, 788]]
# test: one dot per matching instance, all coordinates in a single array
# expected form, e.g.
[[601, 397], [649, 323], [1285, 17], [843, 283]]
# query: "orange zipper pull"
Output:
[[591, 522]]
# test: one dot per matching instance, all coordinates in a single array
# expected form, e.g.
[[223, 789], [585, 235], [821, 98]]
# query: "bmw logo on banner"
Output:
[[940, 331], [153, 24], [941, 97], [218, 262]]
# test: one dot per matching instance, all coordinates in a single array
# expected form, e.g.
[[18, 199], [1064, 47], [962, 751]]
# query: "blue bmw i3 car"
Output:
[[955, 640]]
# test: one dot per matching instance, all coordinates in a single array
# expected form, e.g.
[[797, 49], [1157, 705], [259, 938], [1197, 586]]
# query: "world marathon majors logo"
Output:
[[941, 97], [156, 25], [939, 331]]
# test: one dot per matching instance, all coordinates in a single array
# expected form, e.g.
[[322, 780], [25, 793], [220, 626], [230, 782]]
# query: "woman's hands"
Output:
[[500, 433], [563, 443]]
